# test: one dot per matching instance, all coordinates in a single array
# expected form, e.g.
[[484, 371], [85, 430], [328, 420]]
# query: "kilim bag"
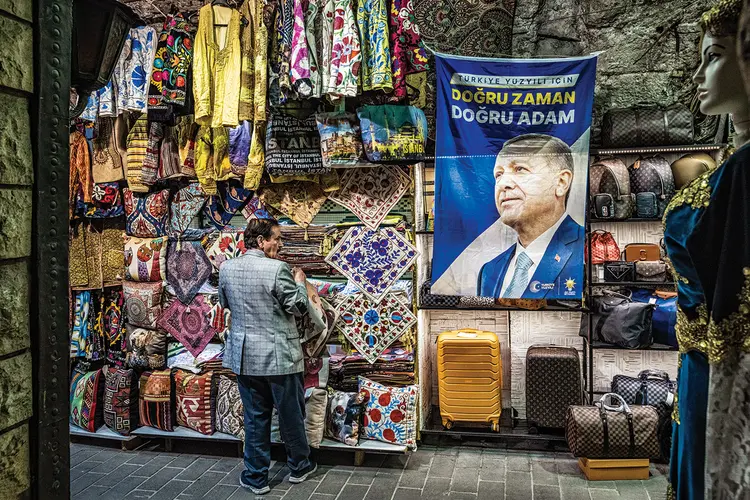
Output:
[[640, 126], [651, 387], [609, 186], [603, 247], [621, 431]]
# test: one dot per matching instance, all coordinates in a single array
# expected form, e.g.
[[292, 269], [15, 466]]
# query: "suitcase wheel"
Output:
[[533, 428], [448, 424], [495, 426]]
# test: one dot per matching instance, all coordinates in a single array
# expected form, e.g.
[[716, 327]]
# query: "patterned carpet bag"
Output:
[[229, 410], [86, 393], [390, 413], [157, 400], [196, 400], [120, 400]]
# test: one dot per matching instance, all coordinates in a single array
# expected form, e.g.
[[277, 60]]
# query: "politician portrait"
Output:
[[533, 178]]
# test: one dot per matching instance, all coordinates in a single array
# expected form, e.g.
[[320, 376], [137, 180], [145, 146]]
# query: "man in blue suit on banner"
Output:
[[533, 176]]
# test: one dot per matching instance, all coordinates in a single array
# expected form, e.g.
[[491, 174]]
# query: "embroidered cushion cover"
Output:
[[156, 400], [230, 418], [390, 413], [186, 204], [195, 401], [86, 392], [105, 202], [120, 400], [189, 324], [145, 259], [147, 349], [230, 199], [370, 193], [372, 326], [147, 214], [344, 416], [227, 245], [142, 303], [373, 260], [188, 268]]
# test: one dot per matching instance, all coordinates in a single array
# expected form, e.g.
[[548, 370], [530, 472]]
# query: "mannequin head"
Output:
[[720, 89]]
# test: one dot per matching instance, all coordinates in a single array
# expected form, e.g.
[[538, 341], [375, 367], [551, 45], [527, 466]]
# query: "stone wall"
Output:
[[16, 178], [650, 47]]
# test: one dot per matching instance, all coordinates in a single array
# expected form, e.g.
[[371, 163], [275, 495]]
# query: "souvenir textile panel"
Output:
[[390, 413], [373, 260], [372, 326], [120, 400], [195, 401], [189, 324], [188, 268]]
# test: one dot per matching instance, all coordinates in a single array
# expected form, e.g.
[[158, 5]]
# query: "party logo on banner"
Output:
[[511, 172]]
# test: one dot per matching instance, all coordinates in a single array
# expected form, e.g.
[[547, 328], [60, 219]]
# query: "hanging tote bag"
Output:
[[604, 431], [393, 134]]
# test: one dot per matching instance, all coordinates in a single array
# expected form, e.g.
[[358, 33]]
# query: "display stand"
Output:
[[628, 469], [127, 443]]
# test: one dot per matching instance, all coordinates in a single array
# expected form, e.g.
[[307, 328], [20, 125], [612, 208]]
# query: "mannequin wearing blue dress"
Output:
[[707, 235]]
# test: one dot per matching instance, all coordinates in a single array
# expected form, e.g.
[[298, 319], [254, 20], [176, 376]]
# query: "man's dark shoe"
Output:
[[301, 476]]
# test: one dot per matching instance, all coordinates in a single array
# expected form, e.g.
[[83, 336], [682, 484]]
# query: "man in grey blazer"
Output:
[[264, 349]]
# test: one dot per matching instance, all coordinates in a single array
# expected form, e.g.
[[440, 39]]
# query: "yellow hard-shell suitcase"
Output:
[[470, 376]]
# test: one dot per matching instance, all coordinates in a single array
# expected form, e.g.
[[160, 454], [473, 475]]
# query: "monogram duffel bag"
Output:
[[621, 431]]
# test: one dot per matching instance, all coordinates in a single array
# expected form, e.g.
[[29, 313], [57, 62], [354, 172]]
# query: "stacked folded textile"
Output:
[[394, 367], [302, 248], [209, 360]]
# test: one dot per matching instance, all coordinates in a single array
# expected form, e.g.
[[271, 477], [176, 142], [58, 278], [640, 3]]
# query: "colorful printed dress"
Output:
[[345, 56], [372, 19], [174, 56], [409, 54], [708, 242]]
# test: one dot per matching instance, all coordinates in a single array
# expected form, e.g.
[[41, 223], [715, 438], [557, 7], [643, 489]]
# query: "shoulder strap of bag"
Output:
[[631, 432], [605, 429]]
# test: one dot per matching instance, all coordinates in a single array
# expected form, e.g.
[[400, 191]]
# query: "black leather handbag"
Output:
[[651, 387], [619, 321], [619, 271], [648, 125]]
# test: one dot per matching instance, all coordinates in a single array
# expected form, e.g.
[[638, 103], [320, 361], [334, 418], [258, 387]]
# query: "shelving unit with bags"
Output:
[[631, 293]]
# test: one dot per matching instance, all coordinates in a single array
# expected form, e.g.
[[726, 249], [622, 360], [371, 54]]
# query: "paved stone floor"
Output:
[[456, 473]]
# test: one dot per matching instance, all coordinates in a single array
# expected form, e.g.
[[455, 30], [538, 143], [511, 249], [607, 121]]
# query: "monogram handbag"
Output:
[[604, 431], [603, 247], [647, 125], [650, 387], [619, 271], [651, 271]]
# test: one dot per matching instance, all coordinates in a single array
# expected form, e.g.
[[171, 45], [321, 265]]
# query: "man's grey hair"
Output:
[[557, 153]]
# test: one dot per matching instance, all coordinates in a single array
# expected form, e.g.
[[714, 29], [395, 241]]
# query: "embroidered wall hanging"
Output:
[[370, 193], [83, 310], [188, 268], [113, 329], [300, 201], [186, 204], [390, 413], [372, 259], [223, 206], [255, 209], [227, 245], [147, 214], [373, 326], [145, 259], [142, 303], [189, 324]]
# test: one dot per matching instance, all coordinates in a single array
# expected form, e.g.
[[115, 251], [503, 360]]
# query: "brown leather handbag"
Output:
[[642, 251]]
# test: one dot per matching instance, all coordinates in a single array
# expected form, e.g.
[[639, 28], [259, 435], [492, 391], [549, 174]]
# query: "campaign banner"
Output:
[[511, 172]]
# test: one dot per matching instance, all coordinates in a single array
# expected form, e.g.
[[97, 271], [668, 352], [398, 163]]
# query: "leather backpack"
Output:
[[609, 185], [652, 183]]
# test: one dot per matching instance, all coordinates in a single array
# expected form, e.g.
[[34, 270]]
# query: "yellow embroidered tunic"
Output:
[[217, 64]]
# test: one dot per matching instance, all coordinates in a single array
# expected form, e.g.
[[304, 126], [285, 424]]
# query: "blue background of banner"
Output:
[[466, 151]]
